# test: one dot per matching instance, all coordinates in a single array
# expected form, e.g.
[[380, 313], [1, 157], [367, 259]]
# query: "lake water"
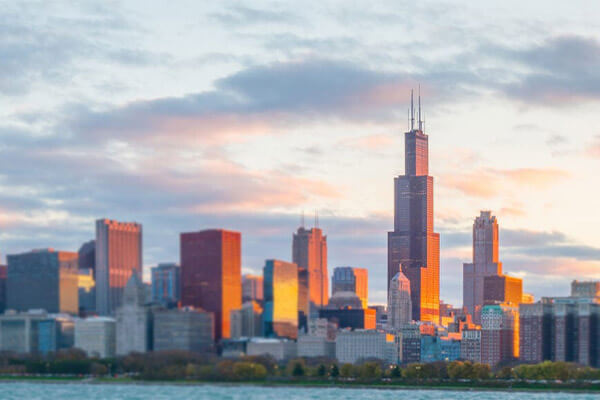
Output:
[[26, 391]]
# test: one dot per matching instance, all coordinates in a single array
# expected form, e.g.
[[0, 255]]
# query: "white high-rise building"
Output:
[[133, 319], [399, 302]]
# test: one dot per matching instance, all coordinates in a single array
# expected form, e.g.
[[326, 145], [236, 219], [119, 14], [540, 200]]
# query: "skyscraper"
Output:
[[133, 319], [280, 315], [485, 263], [166, 284], [252, 288], [118, 253], [2, 288], [399, 302], [43, 279], [211, 274], [87, 256], [499, 333], [309, 251], [413, 246], [349, 279]]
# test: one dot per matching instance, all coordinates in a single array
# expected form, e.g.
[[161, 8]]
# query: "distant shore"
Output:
[[484, 386]]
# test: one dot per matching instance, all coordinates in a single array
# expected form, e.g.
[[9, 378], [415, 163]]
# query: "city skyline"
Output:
[[151, 131]]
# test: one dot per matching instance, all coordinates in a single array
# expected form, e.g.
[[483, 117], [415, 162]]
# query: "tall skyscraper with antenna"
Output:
[[413, 246]]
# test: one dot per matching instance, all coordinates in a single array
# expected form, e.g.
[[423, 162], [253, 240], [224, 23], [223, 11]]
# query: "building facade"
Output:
[[413, 246], [470, 345], [485, 263], [502, 289], [43, 279], [280, 315], [252, 288], [211, 274], [399, 302], [183, 329], [354, 346], [35, 332], [499, 333], [3, 273], [87, 256], [166, 284], [309, 252], [351, 318], [118, 252], [96, 336], [86, 286], [350, 279], [247, 321], [134, 323]]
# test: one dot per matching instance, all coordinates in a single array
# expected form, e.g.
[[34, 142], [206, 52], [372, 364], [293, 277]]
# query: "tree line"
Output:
[[181, 365]]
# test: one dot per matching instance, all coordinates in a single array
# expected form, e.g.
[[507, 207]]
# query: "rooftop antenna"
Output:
[[302, 220], [408, 119], [412, 111], [420, 121], [316, 219]]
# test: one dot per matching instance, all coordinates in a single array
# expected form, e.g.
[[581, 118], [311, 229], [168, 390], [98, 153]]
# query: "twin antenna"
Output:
[[316, 219], [412, 111]]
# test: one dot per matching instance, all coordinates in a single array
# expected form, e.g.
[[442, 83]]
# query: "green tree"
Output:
[[321, 370], [370, 370], [98, 369], [244, 370], [481, 371], [395, 372], [347, 370], [334, 371], [298, 369]]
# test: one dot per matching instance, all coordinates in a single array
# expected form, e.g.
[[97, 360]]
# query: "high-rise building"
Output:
[[166, 284], [247, 321], [183, 329], [280, 315], [252, 288], [134, 327], [349, 279], [118, 253], [309, 251], [470, 346], [411, 344], [588, 289], [399, 302], [499, 333], [502, 289], [87, 292], [211, 274], [535, 332], [43, 279], [413, 246], [485, 263], [2, 288], [87, 256], [351, 318]]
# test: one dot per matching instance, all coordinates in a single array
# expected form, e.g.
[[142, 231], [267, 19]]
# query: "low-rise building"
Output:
[[354, 346], [96, 336], [279, 349], [315, 346], [35, 331], [183, 329]]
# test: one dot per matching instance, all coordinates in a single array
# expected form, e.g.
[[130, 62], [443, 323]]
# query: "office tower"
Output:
[[166, 284], [341, 300], [587, 289], [118, 253], [502, 289], [43, 279], [2, 288], [411, 344], [354, 346], [183, 329], [247, 321], [86, 286], [133, 319], [470, 346], [252, 288], [280, 315], [351, 318], [485, 263], [349, 279], [309, 251], [211, 274], [87, 256], [96, 336], [399, 302], [535, 332], [413, 246], [499, 333]]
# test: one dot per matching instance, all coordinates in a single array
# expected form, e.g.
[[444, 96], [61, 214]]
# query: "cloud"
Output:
[[240, 15]]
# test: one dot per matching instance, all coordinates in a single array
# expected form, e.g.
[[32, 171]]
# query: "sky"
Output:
[[192, 115]]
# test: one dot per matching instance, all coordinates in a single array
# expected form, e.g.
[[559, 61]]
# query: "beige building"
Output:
[[96, 336]]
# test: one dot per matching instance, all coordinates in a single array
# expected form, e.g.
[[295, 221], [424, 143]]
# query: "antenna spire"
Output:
[[302, 220], [412, 110], [420, 121]]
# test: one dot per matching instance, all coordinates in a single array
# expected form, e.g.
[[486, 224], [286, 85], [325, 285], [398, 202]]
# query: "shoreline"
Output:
[[300, 384]]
